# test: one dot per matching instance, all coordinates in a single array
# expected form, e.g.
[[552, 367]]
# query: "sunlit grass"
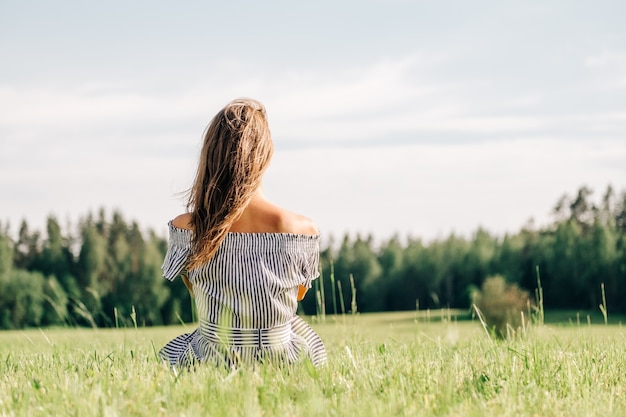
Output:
[[379, 365]]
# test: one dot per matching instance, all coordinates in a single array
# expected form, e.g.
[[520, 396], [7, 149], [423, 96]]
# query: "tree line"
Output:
[[105, 271]]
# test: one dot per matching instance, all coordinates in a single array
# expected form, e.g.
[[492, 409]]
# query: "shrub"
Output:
[[504, 306]]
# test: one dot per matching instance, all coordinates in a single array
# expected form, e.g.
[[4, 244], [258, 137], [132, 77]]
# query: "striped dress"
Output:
[[246, 300]]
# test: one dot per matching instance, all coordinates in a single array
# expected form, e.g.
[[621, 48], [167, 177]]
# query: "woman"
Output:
[[246, 261]]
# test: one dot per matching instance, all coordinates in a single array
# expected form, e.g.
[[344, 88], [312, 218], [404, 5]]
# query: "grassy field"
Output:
[[379, 365]]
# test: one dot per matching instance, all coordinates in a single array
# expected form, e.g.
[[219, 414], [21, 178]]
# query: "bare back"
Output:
[[262, 216]]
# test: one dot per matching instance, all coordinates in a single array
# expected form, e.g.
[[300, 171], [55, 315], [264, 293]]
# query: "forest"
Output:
[[105, 270]]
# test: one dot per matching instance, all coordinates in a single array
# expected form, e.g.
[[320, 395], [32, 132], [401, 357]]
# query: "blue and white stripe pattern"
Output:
[[246, 299]]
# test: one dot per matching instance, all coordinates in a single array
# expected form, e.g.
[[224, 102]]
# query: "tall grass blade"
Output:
[[322, 297], [481, 319], [81, 309], [133, 316], [540, 312], [341, 302], [318, 304], [318, 298], [603, 309], [353, 301], [332, 286]]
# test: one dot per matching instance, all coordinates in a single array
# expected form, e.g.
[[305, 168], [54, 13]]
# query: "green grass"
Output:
[[379, 365]]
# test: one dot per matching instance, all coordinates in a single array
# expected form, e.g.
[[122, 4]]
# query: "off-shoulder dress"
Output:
[[246, 299]]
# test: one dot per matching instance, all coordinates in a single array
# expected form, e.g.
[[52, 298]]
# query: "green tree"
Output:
[[367, 274], [343, 260], [450, 256], [582, 211], [412, 285], [55, 303], [390, 259], [140, 285], [599, 256], [21, 299], [27, 248], [6, 256], [92, 267], [56, 259], [563, 281], [478, 262], [620, 213]]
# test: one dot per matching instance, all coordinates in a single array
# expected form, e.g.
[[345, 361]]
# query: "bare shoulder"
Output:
[[182, 221], [296, 223]]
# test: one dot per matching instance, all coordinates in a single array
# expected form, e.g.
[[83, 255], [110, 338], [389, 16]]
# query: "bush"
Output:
[[21, 299], [504, 306]]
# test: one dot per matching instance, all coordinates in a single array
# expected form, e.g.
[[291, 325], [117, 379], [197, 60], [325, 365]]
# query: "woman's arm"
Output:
[[188, 284], [301, 292]]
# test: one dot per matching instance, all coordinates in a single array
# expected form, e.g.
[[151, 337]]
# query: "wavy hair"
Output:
[[236, 151]]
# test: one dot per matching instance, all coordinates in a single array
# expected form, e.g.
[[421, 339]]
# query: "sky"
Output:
[[415, 118]]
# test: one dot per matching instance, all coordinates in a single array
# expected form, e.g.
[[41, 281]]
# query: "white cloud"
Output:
[[118, 145], [431, 190], [355, 103], [392, 96], [610, 66], [526, 100], [606, 58], [425, 190]]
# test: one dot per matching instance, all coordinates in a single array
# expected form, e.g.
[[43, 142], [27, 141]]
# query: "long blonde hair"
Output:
[[236, 151]]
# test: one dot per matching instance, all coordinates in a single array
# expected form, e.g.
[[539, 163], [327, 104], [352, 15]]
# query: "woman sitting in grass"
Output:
[[246, 261]]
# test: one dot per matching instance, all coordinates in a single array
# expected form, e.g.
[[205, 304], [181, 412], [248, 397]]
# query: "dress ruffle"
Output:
[[178, 252], [191, 348]]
